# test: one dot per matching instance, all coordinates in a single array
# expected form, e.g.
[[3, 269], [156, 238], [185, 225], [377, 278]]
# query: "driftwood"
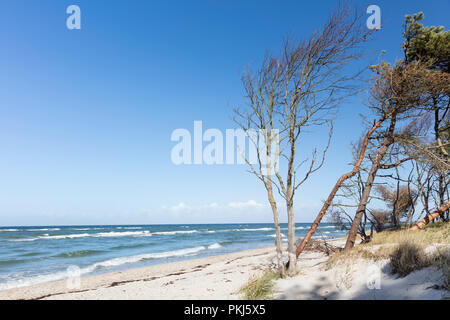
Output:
[[319, 246]]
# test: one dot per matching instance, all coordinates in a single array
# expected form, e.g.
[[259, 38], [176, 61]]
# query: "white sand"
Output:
[[221, 277], [361, 280]]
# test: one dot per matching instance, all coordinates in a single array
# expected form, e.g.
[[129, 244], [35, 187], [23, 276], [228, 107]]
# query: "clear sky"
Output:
[[86, 115]]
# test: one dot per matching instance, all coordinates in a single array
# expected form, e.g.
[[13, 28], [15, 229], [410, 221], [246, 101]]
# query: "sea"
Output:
[[33, 255]]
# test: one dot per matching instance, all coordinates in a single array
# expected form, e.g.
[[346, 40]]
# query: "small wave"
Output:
[[9, 230], [167, 233], [45, 229], [83, 235], [259, 229], [10, 262], [283, 237], [122, 234], [33, 280], [124, 246], [215, 246], [275, 235], [129, 228], [80, 253], [65, 236], [24, 240], [141, 257], [30, 254], [320, 237]]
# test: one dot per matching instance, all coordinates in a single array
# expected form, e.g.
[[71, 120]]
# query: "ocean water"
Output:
[[32, 255]]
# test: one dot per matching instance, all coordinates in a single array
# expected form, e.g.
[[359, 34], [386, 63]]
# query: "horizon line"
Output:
[[142, 224]]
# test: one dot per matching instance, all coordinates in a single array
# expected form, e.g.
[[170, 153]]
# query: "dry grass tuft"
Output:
[[434, 233], [359, 252], [403, 249], [408, 257], [260, 287]]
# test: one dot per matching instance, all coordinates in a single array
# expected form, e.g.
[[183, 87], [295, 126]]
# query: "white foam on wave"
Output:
[[259, 229], [284, 238], [129, 228], [122, 234], [64, 236], [146, 256], [9, 230], [44, 229], [83, 235], [215, 246], [169, 233], [33, 280], [320, 237]]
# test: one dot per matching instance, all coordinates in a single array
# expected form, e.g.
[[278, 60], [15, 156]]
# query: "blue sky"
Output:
[[87, 115]]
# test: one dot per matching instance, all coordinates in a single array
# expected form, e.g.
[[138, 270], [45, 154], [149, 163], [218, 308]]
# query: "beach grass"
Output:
[[260, 287], [404, 248], [408, 257], [438, 232]]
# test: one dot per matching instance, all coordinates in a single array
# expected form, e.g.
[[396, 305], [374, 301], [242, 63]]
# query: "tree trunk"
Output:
[[437, 122], [430, 217], [338, 184], [292, 268], [289, 196], [351, 238], [279, 250]]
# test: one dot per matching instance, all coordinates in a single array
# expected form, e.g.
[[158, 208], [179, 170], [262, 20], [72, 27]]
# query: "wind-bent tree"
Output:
[[328, 203], [397, 91], [299, 90], [426, 49]]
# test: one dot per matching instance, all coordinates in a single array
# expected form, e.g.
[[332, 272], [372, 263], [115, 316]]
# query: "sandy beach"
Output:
[[221, 277]]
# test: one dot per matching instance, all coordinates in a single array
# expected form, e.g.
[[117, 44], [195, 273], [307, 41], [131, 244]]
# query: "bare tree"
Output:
[[398, 200], [263, 96], [299, 90]]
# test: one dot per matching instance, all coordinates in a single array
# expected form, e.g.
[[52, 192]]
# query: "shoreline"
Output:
[[55, 286], [142, 275]]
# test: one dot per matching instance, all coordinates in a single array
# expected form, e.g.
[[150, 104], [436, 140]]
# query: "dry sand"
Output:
[[221, 277]]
